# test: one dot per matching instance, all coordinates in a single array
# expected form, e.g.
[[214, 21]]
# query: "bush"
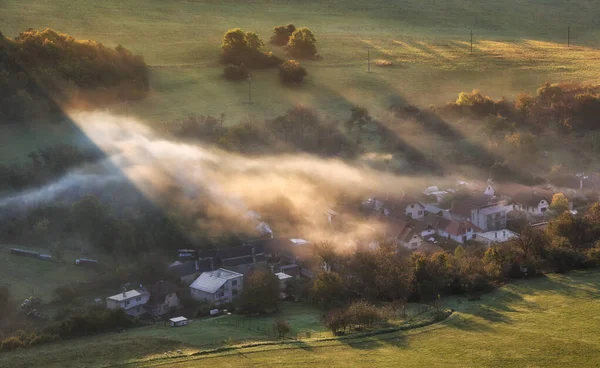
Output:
[[291, 72], [302, 43], [235, 72], [12, 343], [383, 63], [476, 102]]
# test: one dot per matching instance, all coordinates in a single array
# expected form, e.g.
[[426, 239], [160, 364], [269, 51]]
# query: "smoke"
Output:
[[221, 192]]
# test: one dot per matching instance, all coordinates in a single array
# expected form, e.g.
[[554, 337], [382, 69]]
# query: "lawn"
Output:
[[518, 45], [545, 322], [26, 276]]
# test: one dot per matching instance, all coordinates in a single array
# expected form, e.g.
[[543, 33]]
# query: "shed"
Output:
[[178, 321]]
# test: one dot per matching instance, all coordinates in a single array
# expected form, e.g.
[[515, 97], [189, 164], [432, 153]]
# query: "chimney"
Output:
[[581, 183]]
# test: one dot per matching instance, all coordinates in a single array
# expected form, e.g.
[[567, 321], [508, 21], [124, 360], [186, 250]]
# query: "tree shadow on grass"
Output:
[[375, 342]]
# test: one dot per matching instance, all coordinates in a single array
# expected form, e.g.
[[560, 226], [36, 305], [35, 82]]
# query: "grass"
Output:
[[545, 322], [517, 47], [26, 276]]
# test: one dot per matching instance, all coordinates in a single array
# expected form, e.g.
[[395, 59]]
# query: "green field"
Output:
[[546, 322], [518, 45], [26, 276]]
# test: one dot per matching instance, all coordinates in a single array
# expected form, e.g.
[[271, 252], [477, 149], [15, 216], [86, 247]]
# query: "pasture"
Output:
[[29, 276], [545, 322], [517, 46]]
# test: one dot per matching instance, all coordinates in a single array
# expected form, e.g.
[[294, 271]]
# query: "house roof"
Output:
[[532, 197], [399, 204], [283, 276], [457, 228], [211, 281], [178, 319], [190, 267], [125, 295]]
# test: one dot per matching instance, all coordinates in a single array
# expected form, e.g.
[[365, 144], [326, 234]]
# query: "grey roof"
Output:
[[210, 282]]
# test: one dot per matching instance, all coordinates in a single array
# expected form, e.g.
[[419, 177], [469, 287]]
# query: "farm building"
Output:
[[178, 321]]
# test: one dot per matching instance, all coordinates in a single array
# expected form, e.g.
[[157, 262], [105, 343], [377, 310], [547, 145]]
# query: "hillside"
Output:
[[545, 322], [517, 47]]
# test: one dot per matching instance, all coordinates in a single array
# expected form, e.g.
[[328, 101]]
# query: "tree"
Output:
[[559, 203], [291, 72], [235, 72], [253, 41], [282, 327], [328, 289], [57, 251], [234, 41], [302, 43], [280, 36], [260, 293]]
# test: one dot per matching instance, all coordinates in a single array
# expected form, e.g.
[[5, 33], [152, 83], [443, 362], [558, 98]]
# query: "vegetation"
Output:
[[260, 293], [486, 332], [302, 44], [42, 69], [236, 72], [281, 34], [240, 47], [291, 72]]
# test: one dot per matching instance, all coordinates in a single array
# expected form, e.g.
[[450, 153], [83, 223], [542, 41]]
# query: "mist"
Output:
[[220, 192]]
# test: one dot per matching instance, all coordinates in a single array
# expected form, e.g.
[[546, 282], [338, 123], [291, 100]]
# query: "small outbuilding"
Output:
[[178, 321]]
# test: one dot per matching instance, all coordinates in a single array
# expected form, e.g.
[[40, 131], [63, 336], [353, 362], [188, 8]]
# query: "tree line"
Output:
[[569, 242], [41, 70]]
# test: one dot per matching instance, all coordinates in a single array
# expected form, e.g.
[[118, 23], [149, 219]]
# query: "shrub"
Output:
[[282, 327], [383, 63], [476, 102], [550, 92], [302, 43], [291, 72], [12, 343], [235, 72]]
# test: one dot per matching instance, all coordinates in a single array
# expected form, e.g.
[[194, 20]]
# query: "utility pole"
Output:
[[471, 40], [126, 107], [569, 35], [368, 59], [249, 89]]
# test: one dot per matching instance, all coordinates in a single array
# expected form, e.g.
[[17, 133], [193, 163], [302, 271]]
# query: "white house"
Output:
[[533, 202], [217, 287], [131, 301], [459, 231], [495, 237]]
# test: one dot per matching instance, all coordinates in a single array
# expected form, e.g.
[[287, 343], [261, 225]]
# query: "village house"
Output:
[[495, 237], [217, 287], [163, 298], [132, 301], [235, 256], [532, 202], [483, 211], [459, 231], [188, 271]]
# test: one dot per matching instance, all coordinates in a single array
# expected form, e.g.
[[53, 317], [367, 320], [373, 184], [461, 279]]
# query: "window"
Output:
[[138, 298], [420, 213], [127, 302], [234, 283], [412, 206]]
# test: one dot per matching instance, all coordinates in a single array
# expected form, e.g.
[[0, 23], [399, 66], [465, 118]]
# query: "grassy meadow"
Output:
[[26, 276], [545, 322], [518, 45]]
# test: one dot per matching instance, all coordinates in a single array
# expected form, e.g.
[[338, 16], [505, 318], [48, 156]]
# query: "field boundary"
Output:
[[229, 350]]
